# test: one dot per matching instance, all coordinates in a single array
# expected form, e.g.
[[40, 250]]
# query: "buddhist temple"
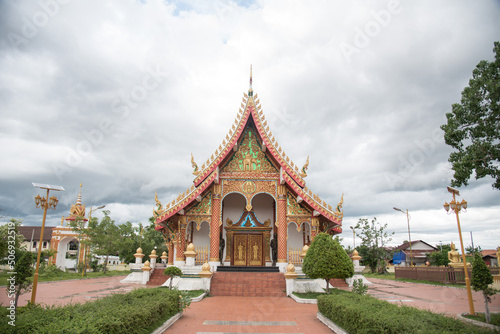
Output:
[[248, 201]]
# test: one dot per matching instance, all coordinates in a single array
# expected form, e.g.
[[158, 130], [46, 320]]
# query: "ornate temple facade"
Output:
[[65, 241], [245, 195]]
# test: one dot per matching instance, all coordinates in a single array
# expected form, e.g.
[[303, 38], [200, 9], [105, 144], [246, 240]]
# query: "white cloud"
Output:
[[370, 123]]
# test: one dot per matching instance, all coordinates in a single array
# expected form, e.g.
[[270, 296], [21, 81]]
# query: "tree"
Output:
[[103, 236], [10, 239], [472, 251], [172, 271], [440, 257], [481, 280], [473, 126], [374, 236], [24, 272], [326, 259]]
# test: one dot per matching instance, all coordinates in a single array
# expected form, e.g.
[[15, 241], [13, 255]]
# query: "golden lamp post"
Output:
[[45, 203], [409, 235], [455, 206], [84, 269]]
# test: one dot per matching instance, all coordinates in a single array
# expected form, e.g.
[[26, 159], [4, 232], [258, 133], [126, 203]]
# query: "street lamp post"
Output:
[[84, 270], [456, 207], [45, 203], [353, 237], [409, 235]]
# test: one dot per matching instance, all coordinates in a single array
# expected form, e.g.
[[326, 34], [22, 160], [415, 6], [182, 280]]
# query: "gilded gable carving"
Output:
[[202, 208], [249, 158], [294, 208]]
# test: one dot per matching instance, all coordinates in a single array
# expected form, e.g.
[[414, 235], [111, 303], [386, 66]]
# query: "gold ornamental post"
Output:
[[456, 207], [409, 236], [45, 203]]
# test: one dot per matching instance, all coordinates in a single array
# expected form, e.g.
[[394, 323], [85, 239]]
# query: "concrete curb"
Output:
[[176, 317], [200, 297], [330, 324], [477, 323], [167, 323], [303, 301]]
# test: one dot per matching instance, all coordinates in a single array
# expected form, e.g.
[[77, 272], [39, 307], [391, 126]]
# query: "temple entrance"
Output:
[[248, 249]]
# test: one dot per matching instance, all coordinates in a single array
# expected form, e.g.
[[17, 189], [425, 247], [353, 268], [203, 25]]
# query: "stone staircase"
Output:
[[338, 283], [248, 284], [157, 278]]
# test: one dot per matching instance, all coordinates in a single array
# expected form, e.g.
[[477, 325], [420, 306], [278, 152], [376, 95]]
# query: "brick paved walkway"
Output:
[[249, 315], [439, 299], [259, 314]]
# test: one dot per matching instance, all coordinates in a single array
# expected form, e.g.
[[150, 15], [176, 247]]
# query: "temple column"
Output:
[[282, 228], [314, 227], [170, 254], [181, 242], [215, 225]]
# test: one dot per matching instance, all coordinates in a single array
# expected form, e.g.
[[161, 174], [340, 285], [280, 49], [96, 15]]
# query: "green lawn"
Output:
[[66, 276], [495, 318], [392, 276]]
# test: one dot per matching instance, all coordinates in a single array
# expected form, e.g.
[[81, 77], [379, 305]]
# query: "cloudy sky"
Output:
[[118, 94]]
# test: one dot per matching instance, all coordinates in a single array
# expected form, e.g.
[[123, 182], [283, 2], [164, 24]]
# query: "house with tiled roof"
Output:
[[412, 253]]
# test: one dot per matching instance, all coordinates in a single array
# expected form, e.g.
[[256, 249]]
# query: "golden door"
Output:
[[248, 249]]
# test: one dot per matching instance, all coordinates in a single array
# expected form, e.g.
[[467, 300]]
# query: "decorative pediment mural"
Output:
[[249, 156], [294, 208], [248, 220]]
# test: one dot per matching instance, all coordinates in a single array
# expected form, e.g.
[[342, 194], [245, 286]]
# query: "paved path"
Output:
[[72, 291], [259, 314], [249, 315], [437, 299]]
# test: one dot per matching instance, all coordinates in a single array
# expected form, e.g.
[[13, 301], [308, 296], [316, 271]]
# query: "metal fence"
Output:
[[202, 254], [436, 274]]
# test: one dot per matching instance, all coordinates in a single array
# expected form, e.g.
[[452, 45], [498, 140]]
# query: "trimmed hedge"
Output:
[[127, 313], [366, 314]]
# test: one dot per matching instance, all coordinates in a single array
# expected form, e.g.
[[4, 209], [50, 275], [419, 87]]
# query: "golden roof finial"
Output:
[[79, 199], [250, 90]]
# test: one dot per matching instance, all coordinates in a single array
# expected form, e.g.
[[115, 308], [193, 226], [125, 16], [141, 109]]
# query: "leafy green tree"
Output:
[[172, 271], [24, 272], [481, 280], [327, 259], [440, 257], [10, 239], [103, 236], [374, 237], [472, 251], [473, 126]]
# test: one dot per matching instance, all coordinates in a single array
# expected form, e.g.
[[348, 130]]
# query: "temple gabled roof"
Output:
[[289, 173]]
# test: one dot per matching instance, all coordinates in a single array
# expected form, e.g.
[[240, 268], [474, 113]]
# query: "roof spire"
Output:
[[250, 90], [79, 199]]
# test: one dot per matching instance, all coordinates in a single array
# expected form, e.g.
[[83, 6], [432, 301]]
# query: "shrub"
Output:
[[365, 314], [121, 313], [327, 259], [359, 287], [172, 271]]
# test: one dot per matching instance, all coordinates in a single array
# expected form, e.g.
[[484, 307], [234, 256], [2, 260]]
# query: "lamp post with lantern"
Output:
[[44, 203], [455, 206], [409, 235]]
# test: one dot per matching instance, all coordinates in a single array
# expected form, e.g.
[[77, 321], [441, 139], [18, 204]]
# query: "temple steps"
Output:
[[157, 278], [248, 284], [262, 269], [338, 283]]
